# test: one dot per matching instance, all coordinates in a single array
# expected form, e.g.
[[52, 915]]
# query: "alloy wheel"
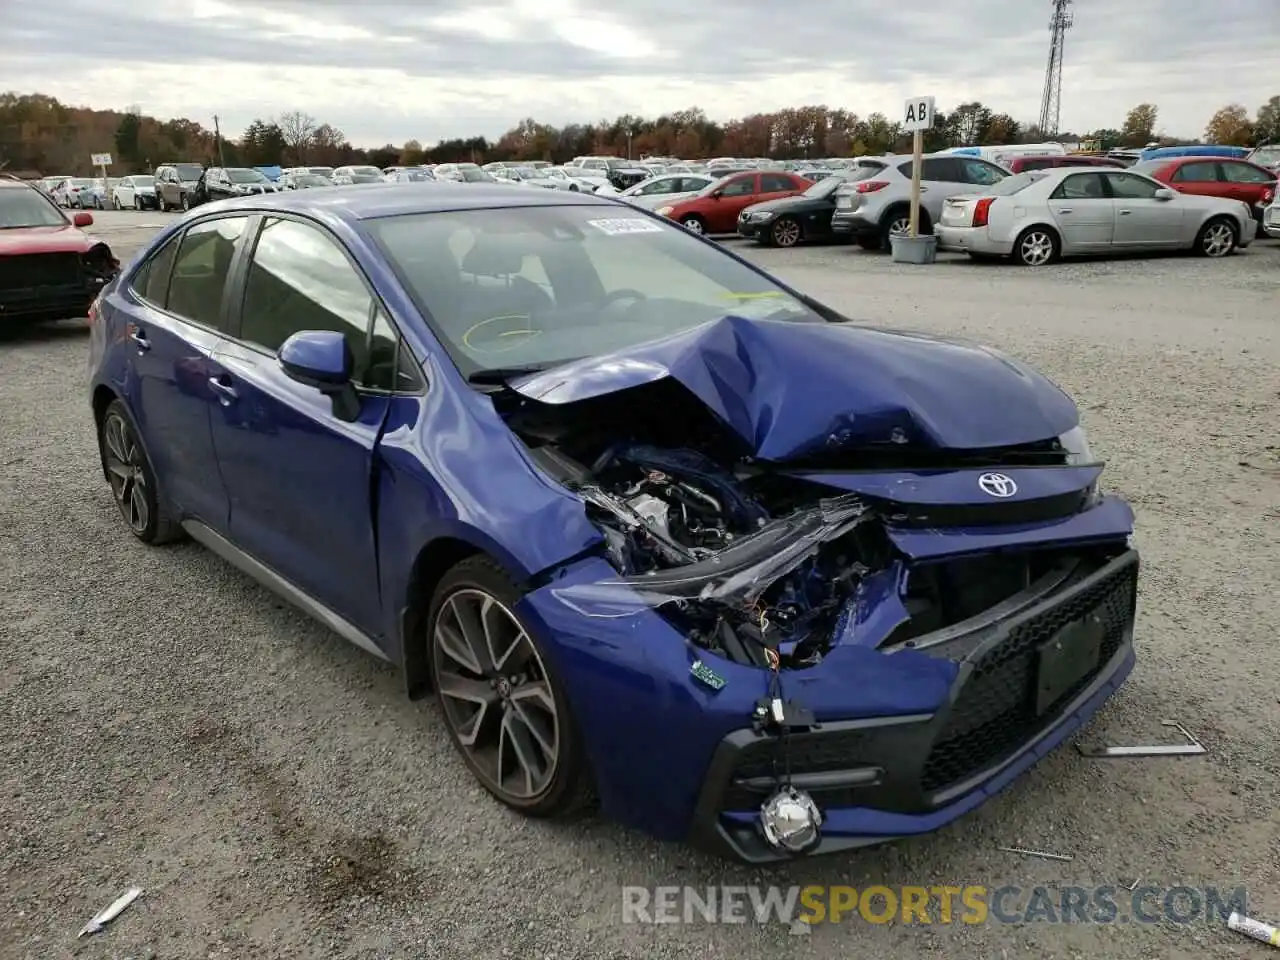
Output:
[[496, 695], [186, 202], [900, 227], [126, 471], [1036, 248], [1218, 240], [692, 224], [786, 232]]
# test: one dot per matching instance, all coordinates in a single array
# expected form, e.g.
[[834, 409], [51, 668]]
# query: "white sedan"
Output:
[[1040, 216], [665, 188]]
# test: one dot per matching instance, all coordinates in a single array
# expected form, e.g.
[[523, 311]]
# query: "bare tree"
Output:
[[298, 128]]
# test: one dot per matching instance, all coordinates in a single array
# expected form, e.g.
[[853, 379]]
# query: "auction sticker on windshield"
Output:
[[619, 226]]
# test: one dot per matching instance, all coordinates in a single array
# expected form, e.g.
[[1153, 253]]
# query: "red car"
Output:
[[1215, 177], [1023, 164], [715, 209], [49, 268]]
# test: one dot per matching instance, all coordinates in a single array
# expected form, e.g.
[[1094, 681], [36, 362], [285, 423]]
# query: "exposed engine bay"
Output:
[[747, 559]]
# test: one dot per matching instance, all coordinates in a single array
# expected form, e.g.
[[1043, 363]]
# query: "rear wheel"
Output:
[[897, 223], [785, 232], [1036, 247], [133, 483], [502, 701], [1217, 238], [186, 201]]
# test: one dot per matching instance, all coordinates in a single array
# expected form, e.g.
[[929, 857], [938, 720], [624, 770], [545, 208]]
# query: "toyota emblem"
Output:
[[997, 485]]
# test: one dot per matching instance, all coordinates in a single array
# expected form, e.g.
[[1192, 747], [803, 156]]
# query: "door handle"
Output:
[[225, 391], [1125, 213], [139, 340], [1065, 209]]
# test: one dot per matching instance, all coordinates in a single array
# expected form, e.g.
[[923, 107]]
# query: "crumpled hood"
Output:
[[66, 239], [791, 389]]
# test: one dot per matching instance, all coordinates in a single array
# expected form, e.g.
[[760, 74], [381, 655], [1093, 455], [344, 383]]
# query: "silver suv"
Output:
[[875, 208]]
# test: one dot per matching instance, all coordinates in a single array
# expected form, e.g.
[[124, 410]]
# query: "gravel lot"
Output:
[[170, 724]]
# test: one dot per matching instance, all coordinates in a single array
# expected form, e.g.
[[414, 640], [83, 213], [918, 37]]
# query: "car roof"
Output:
[[373, 200]]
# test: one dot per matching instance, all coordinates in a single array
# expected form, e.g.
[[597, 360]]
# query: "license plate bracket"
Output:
[[1066, 658]]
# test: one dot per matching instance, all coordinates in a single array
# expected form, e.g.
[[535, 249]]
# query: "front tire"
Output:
[[1036, 247], [785, 232], [504, 705], [132, 481], [694, 224], [1218, 238], [186, 201]]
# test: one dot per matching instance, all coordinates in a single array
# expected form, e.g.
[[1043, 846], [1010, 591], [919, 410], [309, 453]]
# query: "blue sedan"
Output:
[[656, 530]]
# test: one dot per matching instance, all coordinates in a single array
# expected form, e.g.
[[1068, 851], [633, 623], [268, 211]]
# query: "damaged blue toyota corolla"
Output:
[[655, 528]]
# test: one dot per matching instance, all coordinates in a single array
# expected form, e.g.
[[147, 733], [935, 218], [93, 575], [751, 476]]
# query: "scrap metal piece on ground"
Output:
[[1191, 748], [117, 907], [1262, 932], [1043, 855]]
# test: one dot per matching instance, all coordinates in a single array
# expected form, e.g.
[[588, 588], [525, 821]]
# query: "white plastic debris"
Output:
[[1262, 932], [117, 907]]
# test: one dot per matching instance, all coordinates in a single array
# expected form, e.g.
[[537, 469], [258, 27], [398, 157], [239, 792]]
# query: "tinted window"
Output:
[[151, 282], [739, 188], [1243, 173], [937, 169], [1128, 187], [979, 172], [659, 186], [1036, 163], [1081, 186], [200, 270], [391, 366], [299, 279], [775, 183], [1196, 173]]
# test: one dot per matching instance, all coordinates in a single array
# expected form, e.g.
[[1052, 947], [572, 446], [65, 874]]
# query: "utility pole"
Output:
[[217, 139], [1051, 104]]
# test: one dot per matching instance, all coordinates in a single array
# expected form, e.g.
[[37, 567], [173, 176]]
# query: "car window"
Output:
[[740, 188], [1243, 173], [937, 169], [775, 183], [391, 365], [151, 282], [300, 279], [1126, 186], [1035, 163], [200, 270], [979, 172], [658, 186], [1081, 186], [1205, 172]]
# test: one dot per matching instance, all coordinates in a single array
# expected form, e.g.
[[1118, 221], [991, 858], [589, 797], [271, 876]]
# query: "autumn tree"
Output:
[[1266, 128], [297, 128], [1139, 125], [1230, 127], [329, 145]]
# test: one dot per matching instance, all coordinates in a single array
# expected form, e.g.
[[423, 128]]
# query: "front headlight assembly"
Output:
[[1076, 446]]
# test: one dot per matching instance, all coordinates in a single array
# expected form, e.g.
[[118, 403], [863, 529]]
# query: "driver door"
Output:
[[722, 214], [298, 478]]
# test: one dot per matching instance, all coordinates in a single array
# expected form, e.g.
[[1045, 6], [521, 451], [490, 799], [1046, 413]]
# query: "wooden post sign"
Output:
[[917, 118]]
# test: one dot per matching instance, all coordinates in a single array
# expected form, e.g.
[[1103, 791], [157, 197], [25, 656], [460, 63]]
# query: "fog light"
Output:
[[791, 821]]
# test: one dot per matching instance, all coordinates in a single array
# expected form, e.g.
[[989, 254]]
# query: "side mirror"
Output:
[[1164, 194], [83, 220], [322, 359], [717, 193]]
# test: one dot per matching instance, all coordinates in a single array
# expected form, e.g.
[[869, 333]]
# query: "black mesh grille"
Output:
[[808, 753], [28, 270], [995, 711]]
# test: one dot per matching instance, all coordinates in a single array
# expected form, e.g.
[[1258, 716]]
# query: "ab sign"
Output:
[[918, 115]]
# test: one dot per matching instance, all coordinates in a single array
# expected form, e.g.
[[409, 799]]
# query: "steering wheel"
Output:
[[500, 334], [626, 293]]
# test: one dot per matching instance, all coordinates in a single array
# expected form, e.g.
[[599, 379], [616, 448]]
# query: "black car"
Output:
[[788, 220], [220, 183]]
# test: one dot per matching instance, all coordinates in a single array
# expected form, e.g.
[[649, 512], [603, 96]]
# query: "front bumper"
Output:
[[1271, 221], [55, 286], [754, 229], [879, 779]]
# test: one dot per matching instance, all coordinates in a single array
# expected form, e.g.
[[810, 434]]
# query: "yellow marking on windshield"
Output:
[[755, 296]]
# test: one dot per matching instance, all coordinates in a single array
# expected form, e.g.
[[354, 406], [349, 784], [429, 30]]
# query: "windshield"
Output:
[[537, 286], [246, 176], [415, 175], [1267, 156], [365, 171], [144, 181], [826, 186], [472, 175], [1011, 185], [188, 171], [27, 208]]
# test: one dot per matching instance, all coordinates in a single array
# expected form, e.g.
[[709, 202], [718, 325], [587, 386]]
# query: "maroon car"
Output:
[[1023, 164], [1216, 177]]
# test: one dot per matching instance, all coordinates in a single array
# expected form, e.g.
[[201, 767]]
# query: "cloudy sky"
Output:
[[383, 70]]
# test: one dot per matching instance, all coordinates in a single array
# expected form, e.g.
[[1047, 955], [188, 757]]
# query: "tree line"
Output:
[[40, 135]]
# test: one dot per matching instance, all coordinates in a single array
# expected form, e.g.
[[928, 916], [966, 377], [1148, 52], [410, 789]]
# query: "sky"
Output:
[[384, 71]]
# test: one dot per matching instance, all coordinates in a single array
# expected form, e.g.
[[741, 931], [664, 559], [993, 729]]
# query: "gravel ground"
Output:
[[170, 724]]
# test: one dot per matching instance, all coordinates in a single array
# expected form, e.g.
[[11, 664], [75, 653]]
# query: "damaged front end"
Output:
[[910, 640]]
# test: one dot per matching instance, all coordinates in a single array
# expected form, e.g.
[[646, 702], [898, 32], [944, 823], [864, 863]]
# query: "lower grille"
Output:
[[995, 713], [27, 270]]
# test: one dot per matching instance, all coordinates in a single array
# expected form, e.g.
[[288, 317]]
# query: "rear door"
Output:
[[1085, 213], [298, 477], [774, 185], [1201, 177], [1142, 221], [1247, 183], [176, 320]]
